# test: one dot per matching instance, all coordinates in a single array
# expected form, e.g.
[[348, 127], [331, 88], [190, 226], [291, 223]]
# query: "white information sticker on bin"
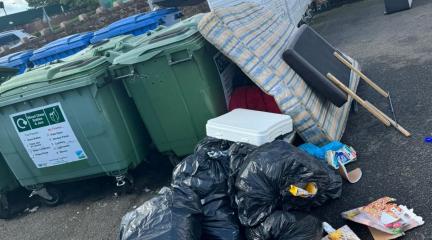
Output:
[[47, 136]]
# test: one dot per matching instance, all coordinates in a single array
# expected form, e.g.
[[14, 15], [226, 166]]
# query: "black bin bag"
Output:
[[282, 225], [237, 153], [173, 214], [206, 173], [264, 180], [219, 220]]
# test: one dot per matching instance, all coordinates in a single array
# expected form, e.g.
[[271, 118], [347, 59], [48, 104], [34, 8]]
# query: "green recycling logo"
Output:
[[21, 123], [39, 118]]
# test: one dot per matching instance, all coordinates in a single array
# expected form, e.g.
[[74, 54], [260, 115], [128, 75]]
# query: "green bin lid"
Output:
[[101, 48], [179, 33], [113, 47], [52, 79]]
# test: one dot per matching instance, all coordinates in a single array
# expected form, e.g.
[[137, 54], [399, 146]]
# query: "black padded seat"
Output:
[[311, 57]]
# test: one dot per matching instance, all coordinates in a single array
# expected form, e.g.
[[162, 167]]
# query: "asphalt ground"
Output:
[[394, 50], [91, 209]]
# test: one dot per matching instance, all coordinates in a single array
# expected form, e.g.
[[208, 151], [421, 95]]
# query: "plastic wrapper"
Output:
[[285, 225], [206, 173], [269, 172], [173, 214], [320, 152]]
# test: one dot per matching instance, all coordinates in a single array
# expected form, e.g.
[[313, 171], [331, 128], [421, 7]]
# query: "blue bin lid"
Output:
[[62, 45], [16, 59], [129, 24]]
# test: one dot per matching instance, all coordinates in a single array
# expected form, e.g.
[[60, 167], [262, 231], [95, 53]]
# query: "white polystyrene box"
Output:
[[249, 126]]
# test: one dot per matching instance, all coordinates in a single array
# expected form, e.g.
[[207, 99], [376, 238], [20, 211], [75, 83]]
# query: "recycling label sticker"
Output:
[[47, 136]]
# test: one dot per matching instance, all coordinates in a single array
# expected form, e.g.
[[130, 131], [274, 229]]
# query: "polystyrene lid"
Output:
[[249, 121]]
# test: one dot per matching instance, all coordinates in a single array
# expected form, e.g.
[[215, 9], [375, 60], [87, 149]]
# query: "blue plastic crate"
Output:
[[20, 60], [138, 24], [61, 48]]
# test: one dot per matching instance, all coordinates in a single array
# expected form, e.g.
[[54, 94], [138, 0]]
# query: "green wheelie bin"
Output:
[[175, 84], [69, 121], [8, 183]]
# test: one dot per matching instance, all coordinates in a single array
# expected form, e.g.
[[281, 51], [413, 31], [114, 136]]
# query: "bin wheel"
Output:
[[128, 187], [5, 211], [56, 197]]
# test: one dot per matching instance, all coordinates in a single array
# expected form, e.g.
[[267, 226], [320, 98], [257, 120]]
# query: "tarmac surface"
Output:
[[92, 209], [394, 50]]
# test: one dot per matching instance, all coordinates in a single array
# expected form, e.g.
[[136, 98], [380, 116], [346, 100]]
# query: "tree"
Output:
[[75, 4], [72, 4], [42, 3]]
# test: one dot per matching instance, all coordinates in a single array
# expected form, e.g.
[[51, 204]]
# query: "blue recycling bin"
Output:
[[61, 48], [138, 24], [19, 60]]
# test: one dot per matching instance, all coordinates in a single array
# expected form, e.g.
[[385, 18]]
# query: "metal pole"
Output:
[[150, 3], [47, 19]]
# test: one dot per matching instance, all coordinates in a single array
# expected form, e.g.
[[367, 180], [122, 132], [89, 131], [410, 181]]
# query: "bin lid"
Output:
[[15, 59], [113, 47], [97, 49], [129, 24], [237, 126], [179, 32], [52, 79], [62, 45], [117, 43]]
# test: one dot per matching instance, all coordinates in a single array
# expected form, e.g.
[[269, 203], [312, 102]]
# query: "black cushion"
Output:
[[392, 6], [311, 57]]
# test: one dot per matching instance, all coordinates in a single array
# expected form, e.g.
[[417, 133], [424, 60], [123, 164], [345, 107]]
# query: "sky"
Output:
[[13, 6]]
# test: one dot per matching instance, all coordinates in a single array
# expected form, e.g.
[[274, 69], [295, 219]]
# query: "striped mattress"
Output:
[[254, 38]]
